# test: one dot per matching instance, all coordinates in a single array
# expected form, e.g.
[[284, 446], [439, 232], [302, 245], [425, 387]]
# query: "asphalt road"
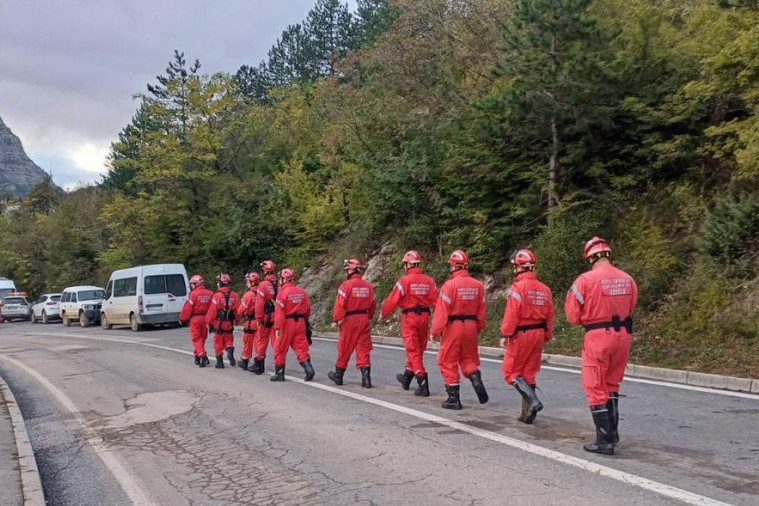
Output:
[[117, 417]]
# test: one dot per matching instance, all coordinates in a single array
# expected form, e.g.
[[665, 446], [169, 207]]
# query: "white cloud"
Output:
[[89, 157]]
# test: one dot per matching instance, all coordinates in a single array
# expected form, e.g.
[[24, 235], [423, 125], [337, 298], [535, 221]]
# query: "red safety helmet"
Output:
[[412, 257], [287, 274], [352, 265], [224, 279], [268, 266], [459, 258], [524, 259], [596, 248], [197, 280], [253, 277]]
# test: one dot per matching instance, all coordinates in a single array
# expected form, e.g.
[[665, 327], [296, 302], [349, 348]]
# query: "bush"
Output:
[[730, 234]]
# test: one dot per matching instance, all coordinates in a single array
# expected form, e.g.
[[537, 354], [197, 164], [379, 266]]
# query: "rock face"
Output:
[[18, 174]]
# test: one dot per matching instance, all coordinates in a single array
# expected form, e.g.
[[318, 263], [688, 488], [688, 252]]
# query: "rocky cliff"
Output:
[[18, 174]]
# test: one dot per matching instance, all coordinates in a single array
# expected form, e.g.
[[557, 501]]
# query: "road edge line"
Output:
[[32, 492]]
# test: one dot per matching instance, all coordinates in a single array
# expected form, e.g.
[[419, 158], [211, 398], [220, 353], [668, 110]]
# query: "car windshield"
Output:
[[90, 295], [14, 301]]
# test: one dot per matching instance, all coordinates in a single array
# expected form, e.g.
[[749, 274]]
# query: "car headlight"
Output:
[[87, 307]]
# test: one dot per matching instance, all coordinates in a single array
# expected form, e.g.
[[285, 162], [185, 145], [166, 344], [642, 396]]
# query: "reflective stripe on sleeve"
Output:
[[445, 297], [281, 303], [344, 295], [578, 295], [400, 289], [191, 302], [512, 293]]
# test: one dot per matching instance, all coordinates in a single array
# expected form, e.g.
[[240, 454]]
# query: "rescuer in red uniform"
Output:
[[527, 325], [265, 301], [460, 316], [415, 294], [603, 300], [354, 307], [290, 322], [194, 311], [221, 318], [247, 313]]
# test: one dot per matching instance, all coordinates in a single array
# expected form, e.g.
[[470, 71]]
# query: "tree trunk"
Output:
[[552, 197]]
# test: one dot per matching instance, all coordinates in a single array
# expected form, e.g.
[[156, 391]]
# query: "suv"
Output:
[[17, 307], [82, 304], [46, 308]]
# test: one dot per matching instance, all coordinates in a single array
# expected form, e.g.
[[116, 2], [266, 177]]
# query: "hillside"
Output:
[[18, 173], [485, 125]]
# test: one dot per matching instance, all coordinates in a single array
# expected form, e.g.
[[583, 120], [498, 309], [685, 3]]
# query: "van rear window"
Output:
[[170, 283]]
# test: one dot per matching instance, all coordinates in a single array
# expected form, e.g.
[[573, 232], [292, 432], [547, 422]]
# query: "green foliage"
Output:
[[730, 235]]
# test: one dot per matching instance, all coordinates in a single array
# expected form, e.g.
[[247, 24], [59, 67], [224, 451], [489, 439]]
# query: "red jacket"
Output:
[[265, 294], [460, 295], [219, 306], [412, 290], [291, 300], [355, 294], [528, 302], [197, 303], [600, 294], [247, 307]]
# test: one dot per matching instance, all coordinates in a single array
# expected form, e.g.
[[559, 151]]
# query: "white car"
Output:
[[17, 307], [46, 308], [82, 304]]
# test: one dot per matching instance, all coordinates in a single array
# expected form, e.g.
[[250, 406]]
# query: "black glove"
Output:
[[309, 332]]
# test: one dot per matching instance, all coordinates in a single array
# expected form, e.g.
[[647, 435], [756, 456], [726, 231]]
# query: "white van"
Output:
[[145, 295], [6, 286]]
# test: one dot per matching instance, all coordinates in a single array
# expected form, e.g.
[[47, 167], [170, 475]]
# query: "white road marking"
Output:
[[728, 393], [586, 465], [126, 480]]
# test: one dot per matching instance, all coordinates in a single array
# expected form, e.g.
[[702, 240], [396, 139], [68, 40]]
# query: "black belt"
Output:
[[224, 331], [250, 317], [462, 317], [296, 316], [532, 326], [616, 323], [358, 311], [416, 309]]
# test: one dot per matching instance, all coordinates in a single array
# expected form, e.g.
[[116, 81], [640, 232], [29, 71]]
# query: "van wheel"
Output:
[[136, 327], [83, 321], [45, 320], [66, 321], [104, 322]]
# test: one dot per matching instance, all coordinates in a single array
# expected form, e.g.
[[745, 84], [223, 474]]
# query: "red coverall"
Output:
[[222, 317], [415, 293], [290, 315], [529, 303], [596, 297], [194, 310], [354, 306], [247, 312], [460, 316], [265, 293]]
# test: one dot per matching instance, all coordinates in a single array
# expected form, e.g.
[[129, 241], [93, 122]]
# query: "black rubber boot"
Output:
[[336, 375], [479, 387], [529, 397], [257, 367], [243, 363], [613, 406], [602, 420], [453, 401], [405, 379], [197, 360], [204, 361], [219, 362], [306, 364], [279, 373], [231, 356], [423, 386], [366, 376]]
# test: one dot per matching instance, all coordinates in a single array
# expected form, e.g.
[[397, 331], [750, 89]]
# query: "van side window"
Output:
[[72, 297], [126, 287], [109, 290], [175, 284], [155, 284], [65, 297]]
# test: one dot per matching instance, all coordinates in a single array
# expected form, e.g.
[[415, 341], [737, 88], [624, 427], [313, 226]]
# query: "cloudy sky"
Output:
[[68, 69]]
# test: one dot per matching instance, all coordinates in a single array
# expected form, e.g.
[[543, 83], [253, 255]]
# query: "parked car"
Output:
[[145, 295], [17, 307], [46, 308], [7, 286], [82, 304]]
